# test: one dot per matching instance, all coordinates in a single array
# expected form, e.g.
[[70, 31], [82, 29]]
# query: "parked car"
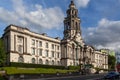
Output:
[[112, 75]]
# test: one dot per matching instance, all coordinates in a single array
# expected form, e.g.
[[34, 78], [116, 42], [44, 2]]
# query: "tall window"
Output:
[[47, 62], [46, 45], [33, 60], [47, 53], [40, 43], [58, 55], [20, 49], [58, 62], [53, 53], [40, 52], [52, 46], [33, 42], [53, 63], [33, 51], [21, 59], [40, 61], [57, 47]]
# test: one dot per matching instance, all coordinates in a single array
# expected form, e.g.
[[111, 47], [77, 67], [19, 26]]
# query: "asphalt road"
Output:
[[80, 77]]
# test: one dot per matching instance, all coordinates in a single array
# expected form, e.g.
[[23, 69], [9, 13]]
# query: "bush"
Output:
[[74, 67], [27, 65], [20, 70]]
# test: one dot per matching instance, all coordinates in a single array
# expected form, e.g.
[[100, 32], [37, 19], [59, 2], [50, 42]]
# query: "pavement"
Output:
[[80, 77]]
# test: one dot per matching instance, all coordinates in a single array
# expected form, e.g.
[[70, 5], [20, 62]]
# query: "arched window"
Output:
[[58, 62], [33, 60], [40, 61], [21, 59], [53, 63], [47, 62]]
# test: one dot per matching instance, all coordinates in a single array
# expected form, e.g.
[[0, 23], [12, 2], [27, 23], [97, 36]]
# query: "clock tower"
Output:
[[71, 22], [72, 42]]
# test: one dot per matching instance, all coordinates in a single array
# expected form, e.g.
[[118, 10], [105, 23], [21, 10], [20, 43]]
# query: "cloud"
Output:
[[37, 19], [81, 3], [105, 35]]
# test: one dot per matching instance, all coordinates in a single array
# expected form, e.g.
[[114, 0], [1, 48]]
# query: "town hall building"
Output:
[[25, 46]]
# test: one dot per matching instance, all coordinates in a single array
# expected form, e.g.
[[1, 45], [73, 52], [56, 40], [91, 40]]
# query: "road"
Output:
[[80, 77]]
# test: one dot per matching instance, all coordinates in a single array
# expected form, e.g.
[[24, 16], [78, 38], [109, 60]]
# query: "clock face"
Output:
[[67, 35]]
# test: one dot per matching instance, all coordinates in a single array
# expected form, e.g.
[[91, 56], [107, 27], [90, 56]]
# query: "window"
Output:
[[52, 46], [58, 55], [46, 53], [46, 45], [20, 59], [40, 43], [33, 42], [33, 51], [20, 49], [40, 52], [47, 62], [58, 62], [33, 60], [40, 61], [52, 53], [20, 39], [53, 63], [36, 43], [57, 47]]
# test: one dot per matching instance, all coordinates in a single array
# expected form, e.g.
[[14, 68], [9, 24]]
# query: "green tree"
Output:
[[111, 62], [2, 53]]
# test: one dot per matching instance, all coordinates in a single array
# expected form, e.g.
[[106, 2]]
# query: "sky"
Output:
[[100, 19]]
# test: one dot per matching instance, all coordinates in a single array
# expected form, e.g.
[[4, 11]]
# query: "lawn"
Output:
[[17, 70]]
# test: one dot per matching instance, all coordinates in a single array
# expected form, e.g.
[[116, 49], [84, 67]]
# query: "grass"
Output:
[[16, 70]]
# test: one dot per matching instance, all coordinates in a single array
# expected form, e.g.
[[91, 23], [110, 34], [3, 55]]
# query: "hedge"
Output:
[[74, 67], [28, 65]]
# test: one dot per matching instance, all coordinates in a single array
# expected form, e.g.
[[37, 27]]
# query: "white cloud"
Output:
[[38, 18], [105, 35], [81, 3]]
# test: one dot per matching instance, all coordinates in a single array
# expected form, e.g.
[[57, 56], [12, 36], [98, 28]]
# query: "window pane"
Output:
[[20, 39], [46, 53], [20, 59], [40, 61], [40, 52], [52, 46], [33, 51], [33, 42], [52, 53], [53, 62], [58, 55], [20, 49], [33, 60], [40, 43], [46, 45], [47, 62]]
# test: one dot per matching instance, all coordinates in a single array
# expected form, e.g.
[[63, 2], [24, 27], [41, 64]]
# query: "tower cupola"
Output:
[[72, 5]]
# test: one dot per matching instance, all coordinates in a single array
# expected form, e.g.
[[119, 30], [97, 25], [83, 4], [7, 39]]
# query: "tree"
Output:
[[111, 62], [2, 53]]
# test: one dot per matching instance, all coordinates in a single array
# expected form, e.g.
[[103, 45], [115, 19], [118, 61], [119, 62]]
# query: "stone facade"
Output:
[[23, 45], [101, 60]]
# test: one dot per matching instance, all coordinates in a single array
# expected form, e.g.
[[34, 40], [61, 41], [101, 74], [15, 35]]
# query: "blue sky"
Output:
[[100, 18]]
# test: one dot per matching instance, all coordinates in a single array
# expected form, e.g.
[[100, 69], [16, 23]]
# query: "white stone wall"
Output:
[[27, 55]]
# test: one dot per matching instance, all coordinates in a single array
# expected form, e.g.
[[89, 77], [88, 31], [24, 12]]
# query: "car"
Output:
[[112, 75]]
